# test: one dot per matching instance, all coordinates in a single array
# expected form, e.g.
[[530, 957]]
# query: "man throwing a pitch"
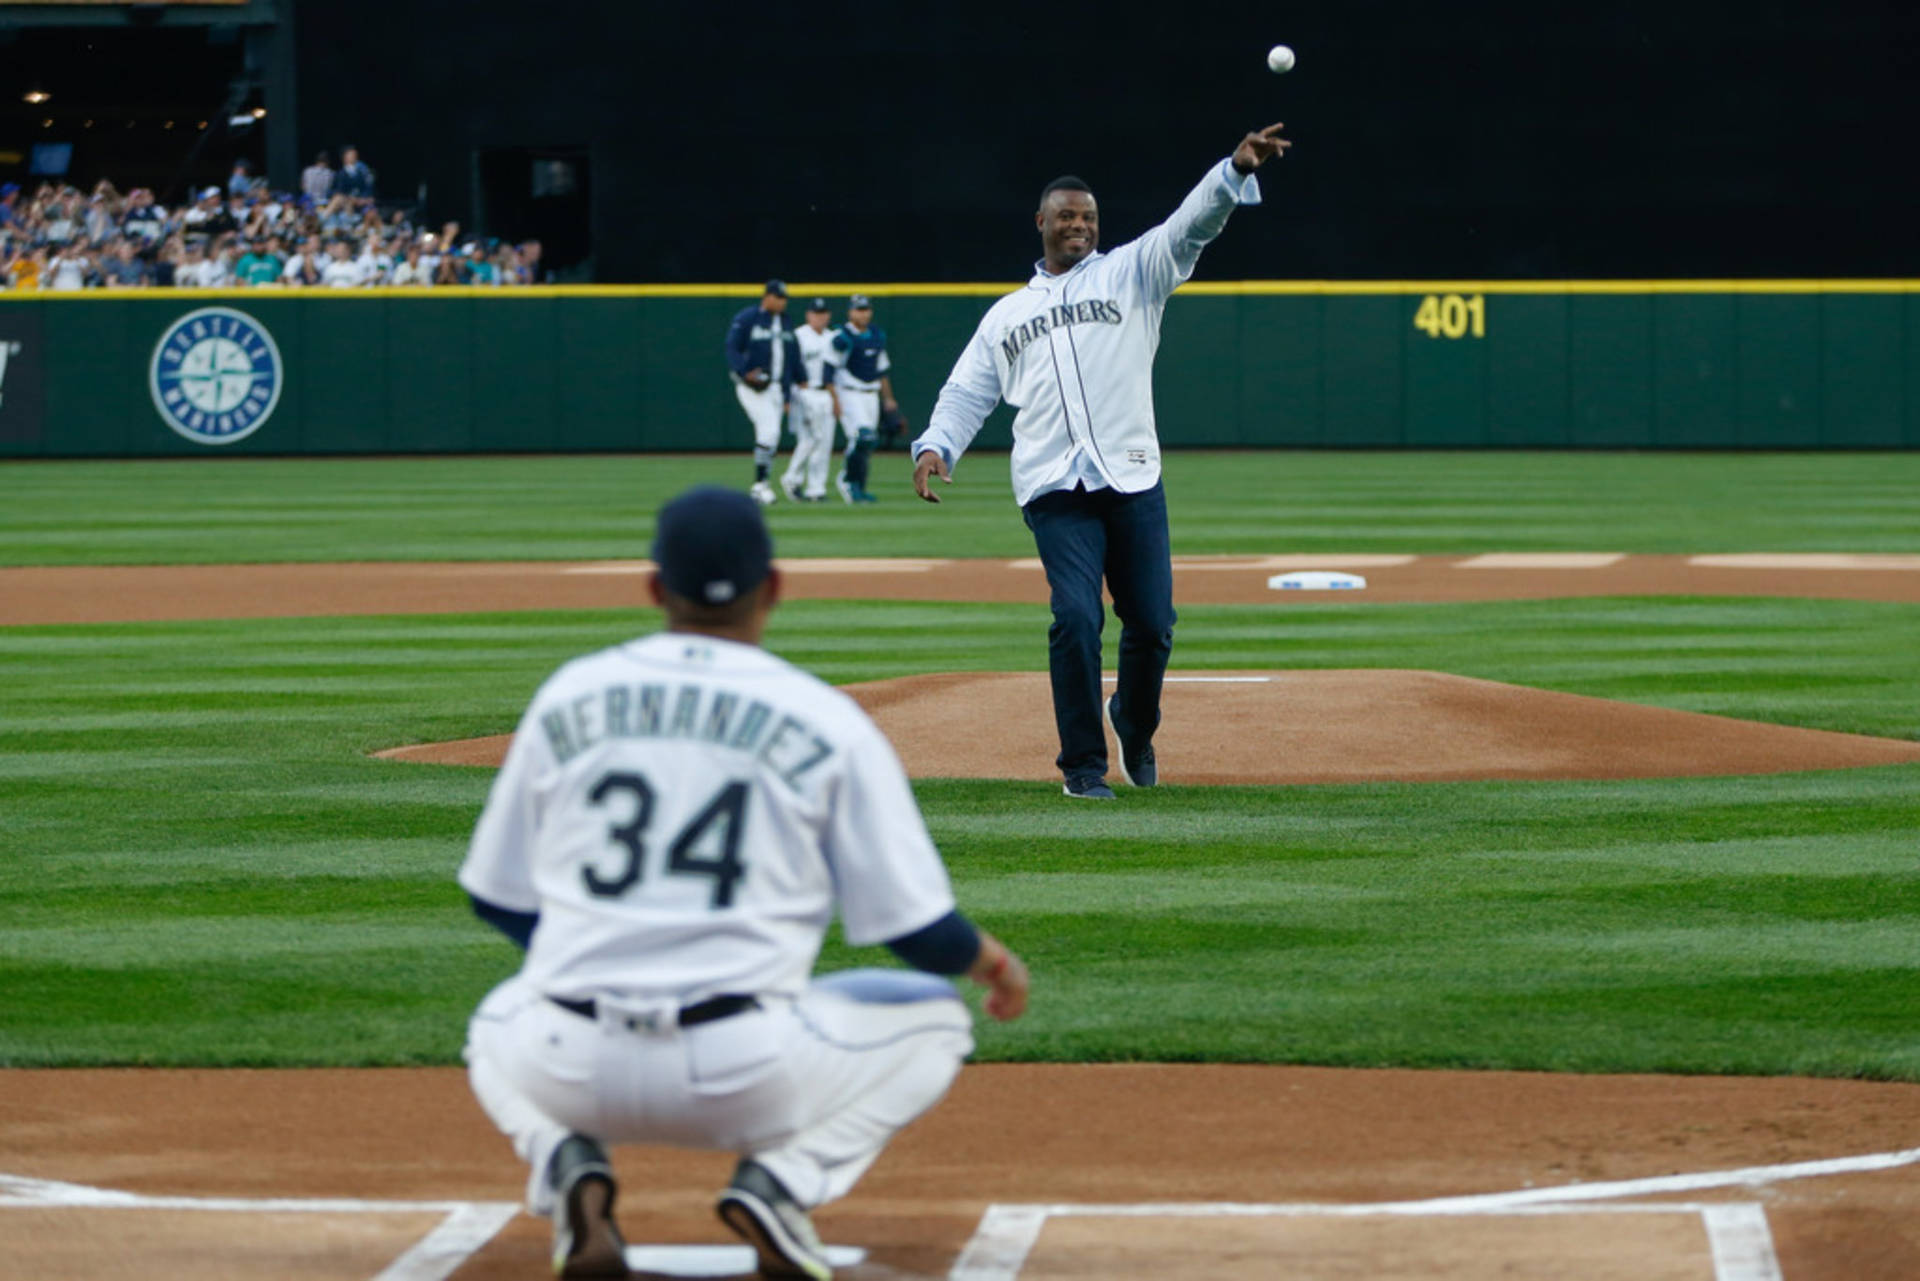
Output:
[[676, 823], [1072, 352]]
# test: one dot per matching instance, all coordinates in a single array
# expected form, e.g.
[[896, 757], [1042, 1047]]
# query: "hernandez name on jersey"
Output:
[[681, 811]]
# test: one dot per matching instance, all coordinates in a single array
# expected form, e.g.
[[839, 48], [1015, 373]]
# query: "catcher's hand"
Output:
[[892, 422], [756, 379]]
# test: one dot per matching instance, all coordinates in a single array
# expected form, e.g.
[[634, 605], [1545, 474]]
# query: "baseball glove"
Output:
[[892, 423]]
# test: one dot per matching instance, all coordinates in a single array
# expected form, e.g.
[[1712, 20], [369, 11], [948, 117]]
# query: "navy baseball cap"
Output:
[[711, 545], [858, 301], [818, 304], [778, 288]]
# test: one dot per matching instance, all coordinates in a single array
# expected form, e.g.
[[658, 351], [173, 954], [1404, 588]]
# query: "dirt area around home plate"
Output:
[[1043, 1172], [1025, 1171]]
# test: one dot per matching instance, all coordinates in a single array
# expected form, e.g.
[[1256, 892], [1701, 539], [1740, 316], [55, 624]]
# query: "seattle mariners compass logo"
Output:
[[216, 375]]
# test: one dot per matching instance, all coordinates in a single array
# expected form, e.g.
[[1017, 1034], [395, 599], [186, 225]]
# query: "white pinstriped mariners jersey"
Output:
[[1073, 354], [684, 813]]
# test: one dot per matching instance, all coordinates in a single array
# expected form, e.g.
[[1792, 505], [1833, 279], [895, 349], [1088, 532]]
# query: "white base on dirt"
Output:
[[718, 1260], [1316, 580]]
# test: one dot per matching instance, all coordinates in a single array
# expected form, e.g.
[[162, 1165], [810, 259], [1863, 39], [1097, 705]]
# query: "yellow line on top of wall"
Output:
[[836, 293]]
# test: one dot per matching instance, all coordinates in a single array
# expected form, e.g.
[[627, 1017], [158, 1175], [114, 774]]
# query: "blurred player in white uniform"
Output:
[[674, 827], [815, 407], [866, 393]]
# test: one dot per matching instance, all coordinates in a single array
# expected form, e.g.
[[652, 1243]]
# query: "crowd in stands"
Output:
[[331, 234]]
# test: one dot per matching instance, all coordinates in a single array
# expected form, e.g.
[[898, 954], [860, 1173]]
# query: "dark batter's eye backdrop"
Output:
[[655, 143]]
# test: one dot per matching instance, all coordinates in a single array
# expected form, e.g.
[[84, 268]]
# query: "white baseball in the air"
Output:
[[1279, 59]]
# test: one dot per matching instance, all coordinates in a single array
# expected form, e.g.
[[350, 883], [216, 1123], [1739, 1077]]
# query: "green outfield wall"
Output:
[[1387, 365]]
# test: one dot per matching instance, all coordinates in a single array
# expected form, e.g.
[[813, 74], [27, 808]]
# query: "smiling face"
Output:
[[1069, 223]]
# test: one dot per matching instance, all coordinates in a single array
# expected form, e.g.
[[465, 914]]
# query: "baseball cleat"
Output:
[[1138, 768], [791, 485], [763, 494], [860, 495], [845, 487], [1088, 787], [586, 1241], [759, 1208]]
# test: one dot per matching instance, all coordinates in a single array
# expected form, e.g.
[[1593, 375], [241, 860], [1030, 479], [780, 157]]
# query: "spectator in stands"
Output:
[[308, 266], [68, 269], [506, 266], [9, 196], [221, 256], [63, 220], [208, 216], [121, 267], [479, 265], [255, 224], [102, 212], [452, 267], [530, 267], [354, 178], [373, 262], [241, 181], [192, 270], [341, 271], [143, 218], [316, 180], [412, 268], [260, 265], [24, 273], [166, 261], [339, 216]]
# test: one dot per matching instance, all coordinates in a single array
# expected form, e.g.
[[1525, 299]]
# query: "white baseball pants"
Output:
[[812, 442], [812, 1088], [859, 411], [764, 408]]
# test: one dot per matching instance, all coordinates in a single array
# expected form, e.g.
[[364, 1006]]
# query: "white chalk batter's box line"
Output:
[[1741, 1243], [1737, 1233]]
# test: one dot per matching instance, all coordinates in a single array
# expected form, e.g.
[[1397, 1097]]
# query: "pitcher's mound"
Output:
[[1324, 727]]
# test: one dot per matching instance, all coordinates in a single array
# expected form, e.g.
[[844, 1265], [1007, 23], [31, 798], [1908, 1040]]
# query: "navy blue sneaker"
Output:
[[759, 1208], [586, 1241], [1088, 787], [1137, 767]]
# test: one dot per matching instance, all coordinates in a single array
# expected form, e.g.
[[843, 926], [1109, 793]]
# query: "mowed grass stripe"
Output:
[[235, 882], [217, 510]]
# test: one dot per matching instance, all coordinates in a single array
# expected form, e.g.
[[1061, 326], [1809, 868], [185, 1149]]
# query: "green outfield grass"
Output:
[[204, 867], [552, 508]]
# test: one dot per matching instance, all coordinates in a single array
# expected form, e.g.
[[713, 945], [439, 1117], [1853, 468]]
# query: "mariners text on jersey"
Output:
[[783, 742], [1102, 311], [1073, 355]]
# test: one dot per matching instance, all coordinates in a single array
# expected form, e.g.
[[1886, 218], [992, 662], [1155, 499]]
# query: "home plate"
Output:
[[1315, 580], [719, 1260]]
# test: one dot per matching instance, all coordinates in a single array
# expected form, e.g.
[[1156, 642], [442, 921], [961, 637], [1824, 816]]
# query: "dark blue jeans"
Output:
[[1084, 536]]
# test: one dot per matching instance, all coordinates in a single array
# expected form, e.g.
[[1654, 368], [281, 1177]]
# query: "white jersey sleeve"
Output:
[[497, 869], [1165, 256], [972, 391], [887, 874]]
